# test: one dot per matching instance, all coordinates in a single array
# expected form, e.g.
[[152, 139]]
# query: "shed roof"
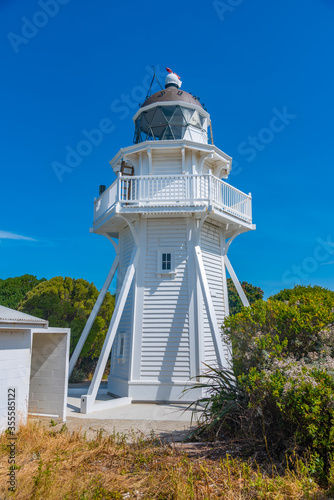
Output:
[[8, 315]]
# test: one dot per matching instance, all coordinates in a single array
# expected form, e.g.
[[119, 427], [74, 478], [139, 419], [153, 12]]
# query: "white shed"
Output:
[[33, 367]]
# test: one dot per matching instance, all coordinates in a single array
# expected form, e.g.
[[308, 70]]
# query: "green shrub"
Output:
[[252, 293], [292, 322], [222, 400], [283, 363], [301, 396]]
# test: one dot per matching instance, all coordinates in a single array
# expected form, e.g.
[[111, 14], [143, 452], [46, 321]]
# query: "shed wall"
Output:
[[48, 377], [15, 351]]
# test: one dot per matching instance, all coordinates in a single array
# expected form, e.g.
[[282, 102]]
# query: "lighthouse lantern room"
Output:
[[171, 219]]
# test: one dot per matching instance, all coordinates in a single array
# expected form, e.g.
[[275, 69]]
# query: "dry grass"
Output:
[[63, 465]]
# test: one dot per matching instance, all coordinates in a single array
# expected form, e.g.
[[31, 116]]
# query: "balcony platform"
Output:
[[179, 195]]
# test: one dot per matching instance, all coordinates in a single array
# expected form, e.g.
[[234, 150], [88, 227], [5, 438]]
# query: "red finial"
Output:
[[170, 71]]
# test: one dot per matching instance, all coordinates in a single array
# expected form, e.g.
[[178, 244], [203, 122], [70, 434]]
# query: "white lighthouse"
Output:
[[171, 219]]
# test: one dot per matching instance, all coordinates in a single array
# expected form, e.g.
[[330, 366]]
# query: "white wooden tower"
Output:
[[171, 219]]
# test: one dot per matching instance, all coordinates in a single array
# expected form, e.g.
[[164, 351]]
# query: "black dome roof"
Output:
[[171, 94]]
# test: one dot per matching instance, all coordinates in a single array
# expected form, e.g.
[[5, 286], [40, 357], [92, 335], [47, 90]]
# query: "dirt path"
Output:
[[167, 430]]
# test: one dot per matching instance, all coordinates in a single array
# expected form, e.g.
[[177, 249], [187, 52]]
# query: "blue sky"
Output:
[[67, 65]]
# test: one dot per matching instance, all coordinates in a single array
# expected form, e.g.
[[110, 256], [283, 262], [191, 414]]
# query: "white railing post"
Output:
[[249, 206], [110, 197], [119, 180], [210, 188]]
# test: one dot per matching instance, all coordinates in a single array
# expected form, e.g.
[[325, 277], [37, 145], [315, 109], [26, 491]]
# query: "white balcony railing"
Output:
[[175, 190]]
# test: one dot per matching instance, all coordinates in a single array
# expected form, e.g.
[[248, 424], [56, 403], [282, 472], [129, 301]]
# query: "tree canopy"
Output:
[[13, 290], [67, 303], [253, 293]]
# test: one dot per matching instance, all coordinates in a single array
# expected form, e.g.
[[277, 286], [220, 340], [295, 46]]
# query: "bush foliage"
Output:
[[13, 290], [291, 322], [67, 303], [283, 365], [252, 293]]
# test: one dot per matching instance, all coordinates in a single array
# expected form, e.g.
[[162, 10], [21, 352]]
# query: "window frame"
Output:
[[121, 347], [160, 270]]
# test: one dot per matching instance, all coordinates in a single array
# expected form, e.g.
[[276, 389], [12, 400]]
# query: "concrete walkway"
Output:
[[170, 422]]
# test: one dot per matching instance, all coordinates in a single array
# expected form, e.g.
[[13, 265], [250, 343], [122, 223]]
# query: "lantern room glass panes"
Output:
[[168, 123], [168, 134], [187, 113], [195, 119], [168, 111], [178, 117]]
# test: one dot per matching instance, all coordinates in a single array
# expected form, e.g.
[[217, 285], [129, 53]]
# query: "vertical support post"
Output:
[[209, 188], [87, 401], [92, 316], [141, 163], [211, 134], [187, 187], [195, 306], [183, 154], [140, 180], [192, 179], [249, 206], [119, 187], [236, 282], [149, 154]]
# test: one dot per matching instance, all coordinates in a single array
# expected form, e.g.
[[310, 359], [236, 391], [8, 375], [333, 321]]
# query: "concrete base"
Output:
[[89, 405], [162, 392], [135, 412], [107, 406], [153, 391]]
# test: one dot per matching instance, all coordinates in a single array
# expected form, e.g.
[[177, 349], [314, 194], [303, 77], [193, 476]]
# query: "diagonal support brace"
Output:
[[92, 316], [236, 282], [217, 342], [87, 401]]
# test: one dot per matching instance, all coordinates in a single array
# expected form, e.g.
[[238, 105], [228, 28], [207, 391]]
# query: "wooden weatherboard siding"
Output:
[[165, 350], [169, 163]]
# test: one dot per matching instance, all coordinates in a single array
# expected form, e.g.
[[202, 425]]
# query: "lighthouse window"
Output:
[[120, 346], [166, 261]]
